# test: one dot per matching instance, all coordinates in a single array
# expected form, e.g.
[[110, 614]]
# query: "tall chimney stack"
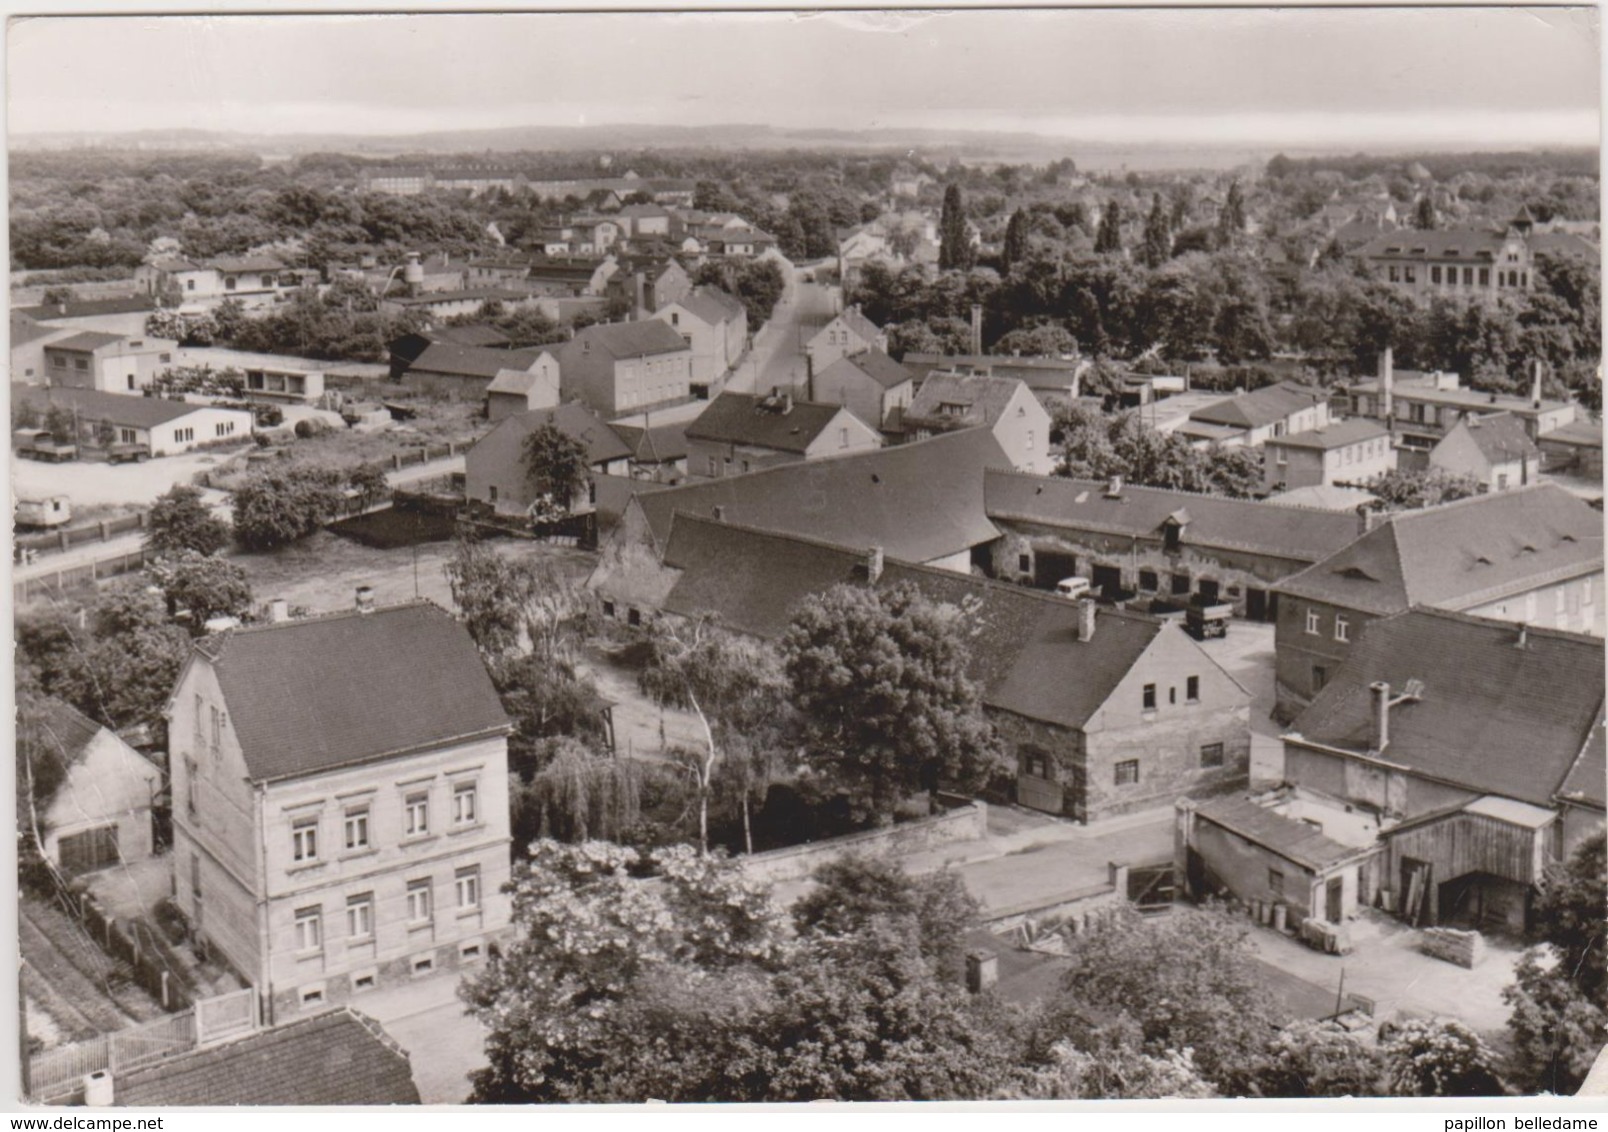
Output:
[[1535, 385], [1387, 383], [1381, 714], [977, 329]]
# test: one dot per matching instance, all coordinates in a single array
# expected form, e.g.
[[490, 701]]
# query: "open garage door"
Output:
[[90, 850]]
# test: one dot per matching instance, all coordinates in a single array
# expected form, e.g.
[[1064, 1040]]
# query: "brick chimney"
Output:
[[1380, 693], [873, 564], [1114, 487], [982, 970], [1387, 383], [1087, 607]]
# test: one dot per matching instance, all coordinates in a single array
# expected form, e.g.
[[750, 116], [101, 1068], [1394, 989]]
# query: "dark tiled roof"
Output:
[[1444, 243], [1587, 782], [478, 334], [711, 304], [631, 339], [1024, 650], [113, 408], [1421, 389], [760, 422], [246, 263], [324, 692], [655, 444], [64, 731], [1338, 434], [918, 501], [929, 362], [984, 400], [1493, 717], [86, 341], [473, 294], [1262, 406], [860, 325], [84, 308], [876, 365], [1297, 534], [505, 444], [339, 1057], [1293, 840], [25, 330], [1459, 554], [471, 361], [1583, 432], [1500, 438]]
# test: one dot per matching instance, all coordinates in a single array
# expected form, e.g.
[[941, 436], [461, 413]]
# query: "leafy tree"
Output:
[[1157, 246], [579, 795], [1424, 213], [955, 251], [1108, 1063], [1438, 1057], [42, 759], [207, 585], [1560, 995], [1108, 239], [181, 521], [593, 947], [1231, 220], [55, 295], [1187, 982], [370, 482], [1042, 341], [1319, 1059], [1015, 248], [277, 508], [732, 684], [1399, 490], [556, 465], [879, 680]]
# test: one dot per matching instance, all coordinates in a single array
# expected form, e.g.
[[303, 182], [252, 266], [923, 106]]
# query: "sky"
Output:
[[1313, 77]]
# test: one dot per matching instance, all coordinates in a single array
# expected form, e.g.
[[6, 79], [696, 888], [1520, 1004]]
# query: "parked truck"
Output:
[[39, 444], [42, 514]]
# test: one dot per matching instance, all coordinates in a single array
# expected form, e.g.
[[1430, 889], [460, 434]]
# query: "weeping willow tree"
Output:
[[578, 795]]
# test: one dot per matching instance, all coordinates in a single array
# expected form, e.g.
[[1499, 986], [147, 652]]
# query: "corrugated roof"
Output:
[[113, 408], [1023, 646], [1337, 434], [630, 339], [311, 695], [918, 501], [876, 365], [1492, 717], [340, 1057], [1293, 840], [1138, 512], [1261, 407], [761, 422], [1458, 554]]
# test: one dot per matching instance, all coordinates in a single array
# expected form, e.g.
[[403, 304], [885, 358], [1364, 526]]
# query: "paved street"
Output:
[[427, 1019], [778, 354], [1247, 655]]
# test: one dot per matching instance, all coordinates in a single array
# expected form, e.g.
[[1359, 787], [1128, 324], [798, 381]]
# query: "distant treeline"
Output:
[[1444, 166]]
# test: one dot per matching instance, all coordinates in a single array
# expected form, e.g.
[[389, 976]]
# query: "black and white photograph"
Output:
[[693, 556]]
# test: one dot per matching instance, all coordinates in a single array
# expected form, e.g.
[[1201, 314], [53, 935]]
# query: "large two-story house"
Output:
[[340, 802], [626, 367]]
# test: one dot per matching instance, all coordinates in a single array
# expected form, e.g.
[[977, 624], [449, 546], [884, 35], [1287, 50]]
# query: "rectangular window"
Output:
[[1342, 627], [200, 714], [464, 805], [127, 436], [843, 438], [1192, 689], [360, 916], [468, 885], [357, 827], [1485, 277], [1585, 591], [1211, 754], [1024, 563], [418, 901], [1434, 275], [1149, 582], [1411, 274], [309, 929], [304, 840], [1320, 677], [1560, 600], [1313, 621], [1395, 274], [1030, 440], [1180, 584], [714, 467], [217, 730], [416, 816], [1127, 772], [1150, 697], [81, 363], [189, 786], [1275, 883]]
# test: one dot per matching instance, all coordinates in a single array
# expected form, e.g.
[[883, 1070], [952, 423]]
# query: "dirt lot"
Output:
[[71, 981], [88, 485]]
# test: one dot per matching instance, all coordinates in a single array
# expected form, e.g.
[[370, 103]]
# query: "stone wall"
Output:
[[1463, 948], [966, 822]]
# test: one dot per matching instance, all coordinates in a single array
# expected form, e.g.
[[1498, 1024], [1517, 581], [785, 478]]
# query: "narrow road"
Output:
[[777, 358]]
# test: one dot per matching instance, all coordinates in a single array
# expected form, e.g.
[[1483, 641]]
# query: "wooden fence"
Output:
[[58, 1074], [65, 538], [56, 582]]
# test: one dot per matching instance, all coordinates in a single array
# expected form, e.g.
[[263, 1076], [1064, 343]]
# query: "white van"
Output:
[[1072, 587]]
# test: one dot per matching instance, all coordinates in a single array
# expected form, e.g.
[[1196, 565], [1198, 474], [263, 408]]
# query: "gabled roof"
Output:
[[1460, 554], [1293, 840], [578, 421], [953, 399], [856, 322], [920, 501], [779, 424], [516, 381], [471, 361], [1422, 388], [85, 341], [1023, 647], [654, 444], [246, 263], [1261, 407], [25, 330], [113, 408], [1581, 432], [1587, 782], [340, 1057], [63, 730], [85, 308], [629, 339], [1441, 243], [710, 304], [315, 694], [478, 334], [1500, 438], [876, 365], [1492, 716], [1336, 434], [1297, 534]]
